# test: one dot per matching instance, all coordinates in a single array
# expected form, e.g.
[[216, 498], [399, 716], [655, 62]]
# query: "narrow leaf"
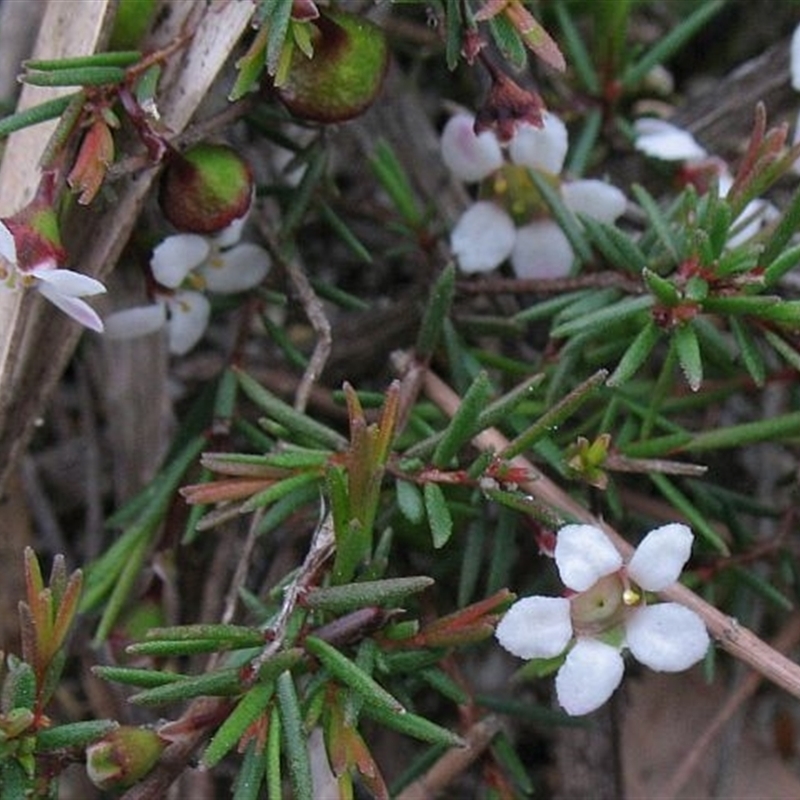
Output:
[[135, 676], [464, 423], [287, 416], [73, 734], [118, 58], [344, 670], [563, 216], [661, 226], [669, 44], [556, 415], [50, 109], [436, 312], [439, 518], [247, 711], [351, 596], [688, 350], [751, 355], [294, 738], [221, 683], [636, 354], [77, 76], [413, 725]]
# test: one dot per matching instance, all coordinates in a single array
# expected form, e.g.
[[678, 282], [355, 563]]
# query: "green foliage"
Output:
[[374, 532]]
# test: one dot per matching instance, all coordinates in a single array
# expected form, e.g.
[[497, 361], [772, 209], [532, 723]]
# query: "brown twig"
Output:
[[788, 638], [313, 310], [548, 286], [453, 762]]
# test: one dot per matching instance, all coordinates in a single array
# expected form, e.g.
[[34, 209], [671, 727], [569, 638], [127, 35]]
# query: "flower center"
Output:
[[8, 273], [511, 186], [600, 607]]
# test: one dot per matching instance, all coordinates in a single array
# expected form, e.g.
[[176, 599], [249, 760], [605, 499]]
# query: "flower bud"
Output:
[[345, 73], [205, 189], [123, 757], [36, 236]]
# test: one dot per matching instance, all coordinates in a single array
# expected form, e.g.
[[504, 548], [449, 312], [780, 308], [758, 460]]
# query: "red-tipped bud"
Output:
[[36, 236], [507, 106], [205, 189], [94, 157]]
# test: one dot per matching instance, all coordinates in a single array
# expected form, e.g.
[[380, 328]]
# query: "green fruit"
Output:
[[343, 77], [123, 756], [131, 23], [205, 189]]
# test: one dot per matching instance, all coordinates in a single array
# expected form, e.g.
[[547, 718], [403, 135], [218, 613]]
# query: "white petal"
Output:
[[137, 321], [542, 148], [236, 270], [596, 199], [541, 250], [230, 235], [68, 283], [73, 307], [661, 556], [177, 256], [584, 554], [794, 62], [8, 247], [536, 627], [189, 314], [589, 676], [757, 213], [483, 238], [666, 141], [469, 157], [795, 168], [667, 637]]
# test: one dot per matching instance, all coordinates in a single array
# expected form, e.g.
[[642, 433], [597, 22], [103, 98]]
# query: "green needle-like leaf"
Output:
[[687, 347], [751, 355], [74, 734], [287, 416], [555, 416], [636, 354], [118, 58], [294, 738], [351, 596], [348, 673], [464, 423], [439, 517], [222, 683], [136, 676], [414, 725], [436, 312], [247, 711], [665, 47], [39, 113], [597, 320], [564, 217], [76, 76]]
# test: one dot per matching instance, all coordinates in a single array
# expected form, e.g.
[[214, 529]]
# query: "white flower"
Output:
[[665, 141], [794, 59], [486, 235], [187, 265], [62, 287], [607, 614], [660, 139]]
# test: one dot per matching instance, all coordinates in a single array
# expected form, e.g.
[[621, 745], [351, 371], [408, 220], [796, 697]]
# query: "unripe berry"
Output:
[[205, 189], [343, 77], [123, 757]]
